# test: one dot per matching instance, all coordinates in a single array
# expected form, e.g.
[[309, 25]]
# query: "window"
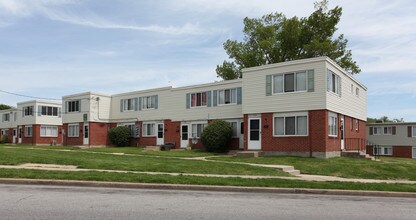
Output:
[[199, 99], [50, 111], [148, 102], [197, 130], [414, 131], [28, 131], [128, 104], [28, 111], [234, 126], [289, 125], [377, 130], [383, 150], [227, 96], [356, 124], [332, 124], [357, 92], [149, 129], [388, 130], [73, 130], [133, 129], [290, 82], [73, 106], [48, 131], [333, 82], [6, 117]]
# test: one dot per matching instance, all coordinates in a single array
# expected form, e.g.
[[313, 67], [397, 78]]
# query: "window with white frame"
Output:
[[5, 117], [73, 106], [388, 130], [333, 82], [28, 131], [234, 126], [377, 130], [128, 104], [290, 82], [49, 111], [332, 124], [48, 131], [291, 124], [133, 128], [148, 102], [198, 99], [383, 150], [227, 96], [357, 92], [73, 130], [356, 124], [28, 111], [197, 129], [149, 129]]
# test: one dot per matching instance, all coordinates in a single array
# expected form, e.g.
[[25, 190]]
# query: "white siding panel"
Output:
[[74, 117], [47, 120]]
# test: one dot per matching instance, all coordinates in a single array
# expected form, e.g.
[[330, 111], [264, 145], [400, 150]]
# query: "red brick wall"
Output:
[[402, 151], [173, 132], [36, 139], [245, 132], [354, 138], [148, 141], [74, 141], [318, 130], [99, 133]]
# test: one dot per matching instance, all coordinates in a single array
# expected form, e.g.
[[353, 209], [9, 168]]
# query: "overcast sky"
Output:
[[51, 48]]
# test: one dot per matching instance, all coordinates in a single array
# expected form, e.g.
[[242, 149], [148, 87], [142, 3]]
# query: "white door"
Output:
[[241, 136], [184, 136], [160, 136], [342, 133], [19, 135], [14, 136], [254, 134], [414, 153], [86, 134]]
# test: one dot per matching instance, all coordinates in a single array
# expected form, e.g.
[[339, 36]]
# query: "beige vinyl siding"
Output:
[[99, 108], [347, 103], [48, 120], [9, 124], [254, 88], [400, 139], [73, 117]]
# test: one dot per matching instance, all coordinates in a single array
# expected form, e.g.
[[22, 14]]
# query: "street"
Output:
[[65, 202]]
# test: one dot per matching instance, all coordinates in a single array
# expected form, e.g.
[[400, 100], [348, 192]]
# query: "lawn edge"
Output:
[[206, 187]]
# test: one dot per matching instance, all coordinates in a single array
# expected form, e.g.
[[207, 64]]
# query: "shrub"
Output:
[[120, 136], [4, 139], [216, 136]]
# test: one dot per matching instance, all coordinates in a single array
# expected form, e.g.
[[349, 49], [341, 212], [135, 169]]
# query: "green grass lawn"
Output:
[[387, 168], [15, 156]]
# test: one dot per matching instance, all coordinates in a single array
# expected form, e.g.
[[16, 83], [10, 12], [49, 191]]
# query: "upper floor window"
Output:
[[128, 104], [28, 111], [388, 130], [74, 106], [332, 124], [198, 99], [376, 130], [413, 131], [333, 82], [227, 96], [6, 117], [50, 111], [148, 102], [290, 82]]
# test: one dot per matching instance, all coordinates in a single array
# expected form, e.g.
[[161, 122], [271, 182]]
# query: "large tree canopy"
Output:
[[3, 107], [275, 38]]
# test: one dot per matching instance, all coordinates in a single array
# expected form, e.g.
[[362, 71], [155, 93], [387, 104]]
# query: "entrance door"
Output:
[[241, 141], [184, 136], [160, 140], [86, 134], [342, 133], [254, 134], [14, 136], [19, 135]]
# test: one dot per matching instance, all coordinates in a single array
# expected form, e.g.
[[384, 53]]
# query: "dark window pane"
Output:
[[242, 128], [254, 135], [289, 82], [290, 126], [254, 124]]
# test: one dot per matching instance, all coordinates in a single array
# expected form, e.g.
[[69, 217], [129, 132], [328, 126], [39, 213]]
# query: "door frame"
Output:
[[184, 143], [254, 145], [19, 134], [86, 134], [342, 132], [14, 135], [160, 141]]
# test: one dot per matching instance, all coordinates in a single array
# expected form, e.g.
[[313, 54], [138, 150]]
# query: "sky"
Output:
[[52, 48]]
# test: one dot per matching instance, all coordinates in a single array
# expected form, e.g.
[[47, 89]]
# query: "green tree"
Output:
[[275, 38], [4, 107]]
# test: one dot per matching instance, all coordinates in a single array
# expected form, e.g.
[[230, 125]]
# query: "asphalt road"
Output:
[[58, 202]]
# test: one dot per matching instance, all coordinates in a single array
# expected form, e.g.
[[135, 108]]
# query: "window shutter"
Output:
[[393, 130], [156, 100], [136, 104], [188, 101], [339, 86], [268, 85], [409, 131], [239, 95], [371, 130], [214, 97], [39, 110], [208, 98], [66, 107], [59, 112], [311, 82], [121, 105], [140, 103]]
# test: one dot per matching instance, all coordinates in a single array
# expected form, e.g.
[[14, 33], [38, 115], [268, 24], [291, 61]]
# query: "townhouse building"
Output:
[[392, 139], [8, 124], [309, 107]]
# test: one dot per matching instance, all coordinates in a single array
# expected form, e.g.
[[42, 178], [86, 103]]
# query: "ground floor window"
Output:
[[73, 130], [332, 124], [134, 129], [291, 124], [197, 129], [28, 131], [48, 131], [383, 150], [148, 129]]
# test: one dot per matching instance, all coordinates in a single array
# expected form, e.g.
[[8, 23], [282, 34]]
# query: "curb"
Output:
[[207, 188]]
